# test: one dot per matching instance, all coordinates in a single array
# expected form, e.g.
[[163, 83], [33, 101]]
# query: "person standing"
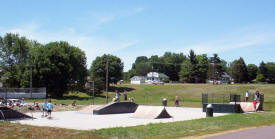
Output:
[[177, 101], [257, 96], [117, 95], [125, 95], [50, 108], [256, 99], [44, 108], [247, 95]]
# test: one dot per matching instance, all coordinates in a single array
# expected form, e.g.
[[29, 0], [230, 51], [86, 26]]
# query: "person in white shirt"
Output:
[[247, 95]]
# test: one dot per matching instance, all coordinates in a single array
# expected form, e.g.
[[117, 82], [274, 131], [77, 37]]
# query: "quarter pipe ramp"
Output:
[[115, 108], [248, 106]]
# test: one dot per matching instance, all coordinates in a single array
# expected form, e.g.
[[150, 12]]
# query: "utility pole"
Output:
[[93, 92], [31, 80], [107, 74]]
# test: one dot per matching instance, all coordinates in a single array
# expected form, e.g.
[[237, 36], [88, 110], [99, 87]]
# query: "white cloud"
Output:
[[93, 46], [233, 41], [94, 19]]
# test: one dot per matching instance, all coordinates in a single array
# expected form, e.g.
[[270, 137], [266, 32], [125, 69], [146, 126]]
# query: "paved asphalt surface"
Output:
[[267, 132]]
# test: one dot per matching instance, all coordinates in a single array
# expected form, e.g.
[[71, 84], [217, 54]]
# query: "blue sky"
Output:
[[127, 29]]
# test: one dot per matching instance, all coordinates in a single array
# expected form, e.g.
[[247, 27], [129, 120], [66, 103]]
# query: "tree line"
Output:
[[194, 68], [61, 67]]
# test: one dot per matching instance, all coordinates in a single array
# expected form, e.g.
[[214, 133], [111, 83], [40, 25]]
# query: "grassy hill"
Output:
[[189, 94]]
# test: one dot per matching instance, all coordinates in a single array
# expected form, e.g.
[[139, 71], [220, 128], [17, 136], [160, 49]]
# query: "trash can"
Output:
[[209, 110], [164, 102]]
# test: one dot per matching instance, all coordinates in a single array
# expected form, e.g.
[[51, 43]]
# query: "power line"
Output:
[[166, 63]]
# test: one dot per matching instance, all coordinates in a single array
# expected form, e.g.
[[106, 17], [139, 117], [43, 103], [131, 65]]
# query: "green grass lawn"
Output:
[[158, 131], [189, 94], [192, 127], [18, 131]]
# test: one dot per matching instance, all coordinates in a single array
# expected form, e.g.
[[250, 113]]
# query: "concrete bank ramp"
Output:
[[248, 106], [88, 109], [151, 112], [116, 108], [8, 113]]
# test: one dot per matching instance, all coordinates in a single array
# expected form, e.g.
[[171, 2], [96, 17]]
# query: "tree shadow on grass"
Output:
[[120, 89], [76, 97]]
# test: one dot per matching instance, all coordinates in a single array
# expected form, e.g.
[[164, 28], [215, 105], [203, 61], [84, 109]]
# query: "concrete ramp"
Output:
[[151, 112], [248, 106], [116, 108], [8, 113], [88, 109]]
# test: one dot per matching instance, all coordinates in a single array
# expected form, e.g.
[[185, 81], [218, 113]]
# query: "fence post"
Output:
[[31, 92], [261, 102], [6, 95]]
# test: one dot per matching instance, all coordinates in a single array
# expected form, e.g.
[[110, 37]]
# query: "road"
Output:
[[267, 132]]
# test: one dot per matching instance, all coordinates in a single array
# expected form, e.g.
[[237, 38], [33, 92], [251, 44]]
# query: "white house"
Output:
[[137, 80], [156, 78], [224, 78]]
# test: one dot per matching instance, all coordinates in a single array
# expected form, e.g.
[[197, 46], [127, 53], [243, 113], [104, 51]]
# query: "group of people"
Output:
[[11, 103], [256, 97], [117, 96], [47, 108]]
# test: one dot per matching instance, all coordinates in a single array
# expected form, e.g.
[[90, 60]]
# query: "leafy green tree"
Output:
[[56, 65], [270, 66], [142, 66], [157, 63], [202, 68], [239, 71], [252, 72], [131, 73], [185, 72], [260, 78], [262, 69], [98, 70], [189, 70], [172, 64], [78, 69], [14, 54], [216, 67]]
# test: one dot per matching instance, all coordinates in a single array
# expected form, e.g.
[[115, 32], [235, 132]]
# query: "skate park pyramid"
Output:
[[8, 113], [151, 112]]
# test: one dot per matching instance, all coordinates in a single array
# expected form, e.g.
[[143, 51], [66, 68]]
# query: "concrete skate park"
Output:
[[85, 119], [124, 114]]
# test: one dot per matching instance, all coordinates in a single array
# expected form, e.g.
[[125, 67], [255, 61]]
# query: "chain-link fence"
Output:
[[227, 98], [9, 93]]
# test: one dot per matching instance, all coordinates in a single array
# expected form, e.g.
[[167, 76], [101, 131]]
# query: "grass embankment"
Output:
[[191, 128], [18, 131], [190, 94]]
